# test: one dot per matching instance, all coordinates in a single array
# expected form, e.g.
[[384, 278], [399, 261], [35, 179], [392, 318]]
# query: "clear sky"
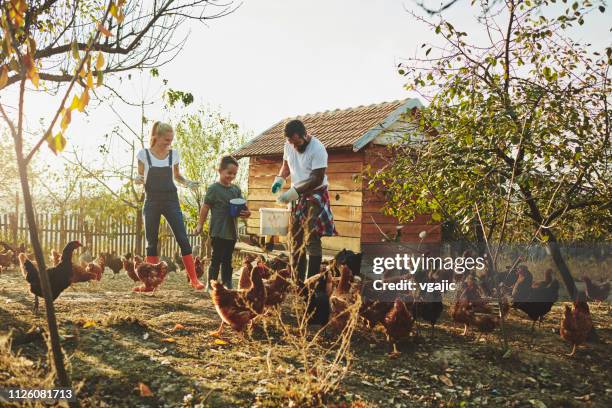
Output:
[[272, 59]]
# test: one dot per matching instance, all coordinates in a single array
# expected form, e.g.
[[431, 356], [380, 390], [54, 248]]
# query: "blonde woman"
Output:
[[158, 167]]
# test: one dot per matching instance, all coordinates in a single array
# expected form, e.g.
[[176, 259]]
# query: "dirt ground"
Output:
[[115, 339]]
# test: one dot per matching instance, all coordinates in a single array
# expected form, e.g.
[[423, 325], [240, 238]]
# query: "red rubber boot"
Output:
[[152, 259], [191, 273]]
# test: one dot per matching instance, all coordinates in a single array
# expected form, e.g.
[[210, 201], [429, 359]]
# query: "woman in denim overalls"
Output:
[[158, 167]]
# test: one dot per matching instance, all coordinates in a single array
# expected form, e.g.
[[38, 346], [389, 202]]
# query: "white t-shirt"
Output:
[[142, 156], [302, 164]]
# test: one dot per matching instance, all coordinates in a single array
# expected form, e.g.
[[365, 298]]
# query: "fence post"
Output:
[[14, 220]]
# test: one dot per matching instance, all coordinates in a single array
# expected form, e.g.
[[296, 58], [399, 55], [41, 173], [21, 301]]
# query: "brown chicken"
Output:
[[398, 324], [79, 274], [6, 258], [55, 257], [238, 308], [96, 268], [245, 273], [470, 309], [152, 275], [129, 266], [199, 267], [576, 324], [341, 300], [374, 311], [277, 287], [599, 292]]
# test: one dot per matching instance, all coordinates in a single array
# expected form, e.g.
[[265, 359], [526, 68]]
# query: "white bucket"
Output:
[[274, 221]]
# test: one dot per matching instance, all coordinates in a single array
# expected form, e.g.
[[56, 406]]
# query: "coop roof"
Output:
[[341, 128]]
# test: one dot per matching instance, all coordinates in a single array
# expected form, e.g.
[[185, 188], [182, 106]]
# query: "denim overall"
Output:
[[161, 198]]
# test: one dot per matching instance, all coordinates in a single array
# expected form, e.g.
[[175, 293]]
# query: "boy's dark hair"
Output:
[[295, 126], [226, 161]]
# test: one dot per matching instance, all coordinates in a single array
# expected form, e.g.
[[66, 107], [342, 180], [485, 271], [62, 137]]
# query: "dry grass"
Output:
[[116, 339]]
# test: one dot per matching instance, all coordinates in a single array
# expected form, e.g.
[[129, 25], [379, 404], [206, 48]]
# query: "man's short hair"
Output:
[[295, 126]]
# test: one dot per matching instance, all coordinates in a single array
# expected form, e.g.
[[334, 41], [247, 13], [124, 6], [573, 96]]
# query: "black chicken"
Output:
[[318, 306], [350, 259], [59, 276], [429, 306], [536, 302], [112, 261]]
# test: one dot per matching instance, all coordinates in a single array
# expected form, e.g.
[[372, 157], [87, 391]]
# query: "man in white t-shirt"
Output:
[[305, 160]]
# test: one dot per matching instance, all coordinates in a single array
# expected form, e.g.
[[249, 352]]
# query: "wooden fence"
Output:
[[98, 235]]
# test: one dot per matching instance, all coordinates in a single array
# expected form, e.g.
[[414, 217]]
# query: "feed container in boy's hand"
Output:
[[236, 205], [274, 221]]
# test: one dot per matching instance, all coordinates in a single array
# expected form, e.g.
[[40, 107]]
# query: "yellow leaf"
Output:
[[3, 76], [89, 323], [168, 340], [56, 144], [113, 10], [66, 119], [104, 30], [90, 83], [100, 61], [220, 342], [75, 103], [145, 391], [83, 101]]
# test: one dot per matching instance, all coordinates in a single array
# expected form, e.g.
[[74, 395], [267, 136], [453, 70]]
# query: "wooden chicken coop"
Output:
[[356, 139]]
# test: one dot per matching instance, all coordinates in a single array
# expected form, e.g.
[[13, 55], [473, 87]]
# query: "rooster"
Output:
[[59, 276], [398, 324], [152, 275], [599, 292], [576, 324], [536, 302], [238, 308]]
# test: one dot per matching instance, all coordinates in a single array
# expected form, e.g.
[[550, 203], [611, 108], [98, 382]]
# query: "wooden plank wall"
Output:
[[345, 190], [377, 157]]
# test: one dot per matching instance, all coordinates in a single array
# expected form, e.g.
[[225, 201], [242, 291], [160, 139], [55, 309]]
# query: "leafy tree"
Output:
[[65, 48], [203, 138], [517, 128]]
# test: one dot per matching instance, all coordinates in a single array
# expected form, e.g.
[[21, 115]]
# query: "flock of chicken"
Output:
[[338, 293]]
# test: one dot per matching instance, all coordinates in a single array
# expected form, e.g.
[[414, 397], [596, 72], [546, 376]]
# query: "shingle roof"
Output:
[[340, 128]]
